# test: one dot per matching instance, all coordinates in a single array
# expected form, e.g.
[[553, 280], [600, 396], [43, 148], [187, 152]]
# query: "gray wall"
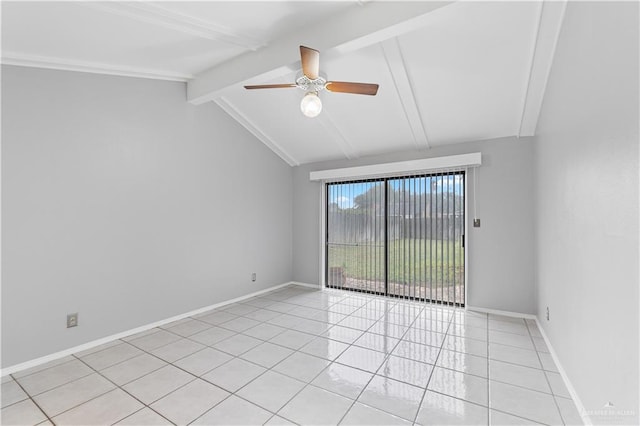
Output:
[[586, 169], [500, 266], [128, 205]]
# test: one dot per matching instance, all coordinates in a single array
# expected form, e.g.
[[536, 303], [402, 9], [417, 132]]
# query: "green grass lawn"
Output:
[[411, 261]]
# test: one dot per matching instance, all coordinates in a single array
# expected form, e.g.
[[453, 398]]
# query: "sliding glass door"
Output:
[[355, 240], [402, 237]]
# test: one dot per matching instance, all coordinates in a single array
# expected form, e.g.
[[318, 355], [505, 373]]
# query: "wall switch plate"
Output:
[[253, 276], [476, 223], [72, 320]]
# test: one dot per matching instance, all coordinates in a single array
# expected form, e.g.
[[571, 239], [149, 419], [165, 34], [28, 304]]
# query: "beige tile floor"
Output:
[[302, 356]]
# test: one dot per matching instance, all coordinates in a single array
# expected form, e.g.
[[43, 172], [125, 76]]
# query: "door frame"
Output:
[[324, 210]]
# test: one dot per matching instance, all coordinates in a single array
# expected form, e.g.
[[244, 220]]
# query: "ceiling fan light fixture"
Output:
[[312, 82], [311, 105]]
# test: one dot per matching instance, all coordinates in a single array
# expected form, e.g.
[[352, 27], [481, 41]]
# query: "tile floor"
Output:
[[302, 356]]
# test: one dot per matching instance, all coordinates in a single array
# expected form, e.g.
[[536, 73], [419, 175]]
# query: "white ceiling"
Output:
[[448, 72]]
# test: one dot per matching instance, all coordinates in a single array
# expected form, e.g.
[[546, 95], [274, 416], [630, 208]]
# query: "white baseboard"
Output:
[[574, 395], [52, 357], [499, 312], [563, 374], [57, 355], [313, 286]]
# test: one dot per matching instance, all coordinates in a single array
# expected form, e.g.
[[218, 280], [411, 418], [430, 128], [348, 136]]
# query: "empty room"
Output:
[[320, 213]]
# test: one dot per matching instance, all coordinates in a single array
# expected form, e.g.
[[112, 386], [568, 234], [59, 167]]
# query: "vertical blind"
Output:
[[401, 237]]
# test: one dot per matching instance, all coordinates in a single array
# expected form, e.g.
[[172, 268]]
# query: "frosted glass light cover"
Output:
[[311, 105]]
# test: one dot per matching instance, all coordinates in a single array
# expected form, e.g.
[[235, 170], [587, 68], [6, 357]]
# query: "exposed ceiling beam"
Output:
[[234, 112], [398, 69], [13, 58], [154, 13], [543, 51], [355, 28]]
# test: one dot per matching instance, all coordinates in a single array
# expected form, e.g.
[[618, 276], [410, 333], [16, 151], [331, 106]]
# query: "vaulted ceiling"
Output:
[[448, 72]]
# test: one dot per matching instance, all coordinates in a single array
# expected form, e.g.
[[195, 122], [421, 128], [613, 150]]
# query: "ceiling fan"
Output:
[[312, 83]]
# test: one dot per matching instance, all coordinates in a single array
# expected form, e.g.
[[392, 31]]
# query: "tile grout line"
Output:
[[285, 329], [201, 376], [196, 377], [12, 375], [79, 358], [31, 399], [72, 381], [400, 339], [555, 401], [54, 387], [362, 331], [170, 343], [143, 408], [535, 422], [234, 393], [388, 313], [331, 362], [167, 364], [488, 376], [426, 388], [121, 387], [348, 346], [387, 356], [264, 372], [243, 331], [125, 391], [372, 377], [183, 337]]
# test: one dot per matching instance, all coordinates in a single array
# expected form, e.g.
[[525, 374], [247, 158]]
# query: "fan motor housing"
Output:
[[305, 83]]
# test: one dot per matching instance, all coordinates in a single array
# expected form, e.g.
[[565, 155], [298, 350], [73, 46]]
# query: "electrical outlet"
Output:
[[476, 223], [547, 313], [253, 276], [72, 320]]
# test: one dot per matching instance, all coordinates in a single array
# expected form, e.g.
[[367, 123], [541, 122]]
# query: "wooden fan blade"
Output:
[[269, 86], [355, 88], [310, 59]]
